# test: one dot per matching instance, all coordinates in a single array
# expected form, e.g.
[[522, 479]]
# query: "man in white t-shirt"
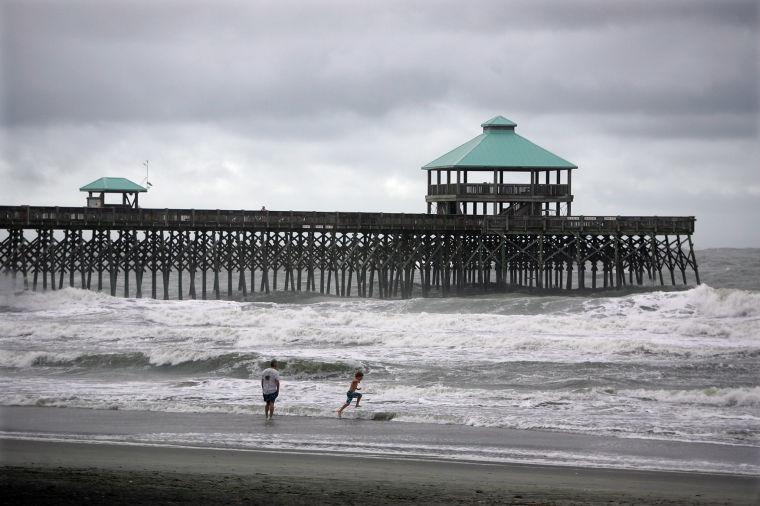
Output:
[[270, 387]]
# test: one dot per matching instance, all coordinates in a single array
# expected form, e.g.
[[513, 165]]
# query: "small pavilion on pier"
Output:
[[470, 179], [97, 189]]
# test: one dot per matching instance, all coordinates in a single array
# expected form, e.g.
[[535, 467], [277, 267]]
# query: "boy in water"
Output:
[[352, 392], [270, 387]]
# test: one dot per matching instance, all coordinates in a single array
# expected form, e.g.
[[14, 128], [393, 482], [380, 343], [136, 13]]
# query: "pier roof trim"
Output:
[[499, 122], [499, 147], [113, 185]]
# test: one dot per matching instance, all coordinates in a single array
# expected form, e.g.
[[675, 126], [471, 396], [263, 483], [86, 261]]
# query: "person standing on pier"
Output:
[[270, 387]]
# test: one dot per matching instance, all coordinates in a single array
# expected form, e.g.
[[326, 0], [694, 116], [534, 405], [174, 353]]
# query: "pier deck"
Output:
[[72, 218]]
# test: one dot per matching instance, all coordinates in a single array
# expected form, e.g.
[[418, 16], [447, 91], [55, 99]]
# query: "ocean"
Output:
[[676, 366]]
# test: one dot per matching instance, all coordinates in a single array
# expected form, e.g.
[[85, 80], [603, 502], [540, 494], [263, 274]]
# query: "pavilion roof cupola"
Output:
[[97, 189], [498, 123], [499, 172]]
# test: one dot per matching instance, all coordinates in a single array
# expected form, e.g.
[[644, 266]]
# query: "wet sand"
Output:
[[70, 456], [46, 472]]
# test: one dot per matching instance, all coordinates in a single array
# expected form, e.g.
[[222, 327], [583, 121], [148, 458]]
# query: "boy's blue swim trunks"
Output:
[[270, 397], [352, 394]]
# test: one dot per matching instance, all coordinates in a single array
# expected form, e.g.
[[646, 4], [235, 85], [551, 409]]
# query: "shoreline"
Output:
[[367, 437], [69, 472], [76, 456]]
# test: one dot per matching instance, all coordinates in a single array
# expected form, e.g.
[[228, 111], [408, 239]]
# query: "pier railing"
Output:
[[591, 224], [490, 189], [117, 218]]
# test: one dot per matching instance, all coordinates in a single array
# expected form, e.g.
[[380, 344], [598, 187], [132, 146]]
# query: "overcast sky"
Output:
[[337, 105]]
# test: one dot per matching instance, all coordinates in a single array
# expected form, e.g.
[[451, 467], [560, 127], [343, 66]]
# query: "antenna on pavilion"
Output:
[[145, 181]]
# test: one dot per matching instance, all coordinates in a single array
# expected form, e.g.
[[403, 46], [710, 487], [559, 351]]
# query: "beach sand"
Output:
[[45, 472], [59, 471]]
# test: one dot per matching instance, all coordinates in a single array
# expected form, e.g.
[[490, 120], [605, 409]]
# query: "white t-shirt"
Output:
[[269, 379]]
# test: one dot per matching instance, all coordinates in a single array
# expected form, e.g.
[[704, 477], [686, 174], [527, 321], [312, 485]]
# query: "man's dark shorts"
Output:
[[270, 397]]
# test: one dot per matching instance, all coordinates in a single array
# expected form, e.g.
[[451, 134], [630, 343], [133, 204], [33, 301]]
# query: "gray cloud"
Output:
[[178, 61]]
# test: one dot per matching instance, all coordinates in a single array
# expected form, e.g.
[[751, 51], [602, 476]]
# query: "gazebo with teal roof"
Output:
[[497, 152], [128, 189]]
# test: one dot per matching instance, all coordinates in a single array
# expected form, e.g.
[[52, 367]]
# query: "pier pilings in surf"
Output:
[[238, 254]]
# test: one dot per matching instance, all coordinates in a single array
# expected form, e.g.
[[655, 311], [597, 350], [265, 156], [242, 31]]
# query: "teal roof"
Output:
[[499, 147], [113, 185]]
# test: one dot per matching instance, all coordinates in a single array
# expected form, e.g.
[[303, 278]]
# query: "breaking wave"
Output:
[[239, 365], [670, 364], [701, 322]]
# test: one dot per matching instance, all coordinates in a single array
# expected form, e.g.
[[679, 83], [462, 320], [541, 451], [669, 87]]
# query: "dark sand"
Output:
[[44, 472], [40, 471], [57, 472]]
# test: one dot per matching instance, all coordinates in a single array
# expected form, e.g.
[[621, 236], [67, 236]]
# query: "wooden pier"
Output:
[[232, 254], [498, 235]]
